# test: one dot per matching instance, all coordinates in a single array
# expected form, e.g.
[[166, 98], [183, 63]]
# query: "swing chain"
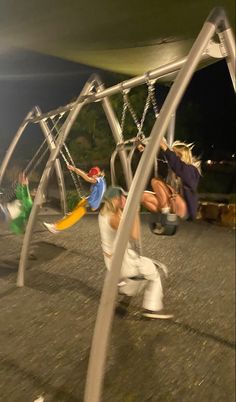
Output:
[[151, 90], [75, 177], [132, 112], [146, 107], [27, 169], [150, 100], [125, 106]]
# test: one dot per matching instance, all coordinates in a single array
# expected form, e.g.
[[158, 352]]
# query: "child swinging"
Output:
[[16, 205], [96, 177], [180, 196]]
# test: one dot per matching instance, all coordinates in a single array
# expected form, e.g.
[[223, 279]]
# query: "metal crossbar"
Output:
[[158, 73]]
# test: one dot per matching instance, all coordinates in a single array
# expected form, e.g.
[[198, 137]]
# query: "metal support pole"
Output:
[[171, 130], [58, 169], [129, 161], [14, 143], [130, 157], [228, 41], [116, 131], [44, 179], [112, 168], [106, 307]]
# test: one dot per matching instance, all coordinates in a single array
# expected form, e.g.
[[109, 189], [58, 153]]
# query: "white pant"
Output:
[[14, 208], [134, 266]]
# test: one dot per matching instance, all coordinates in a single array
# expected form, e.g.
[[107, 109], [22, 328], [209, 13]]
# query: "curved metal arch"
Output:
[[129, 157], [102, 329], [77, 106], [112, 167], [171, 130], [13, 144], [116, 130], [45, 177], [51, 144], [58, 169]]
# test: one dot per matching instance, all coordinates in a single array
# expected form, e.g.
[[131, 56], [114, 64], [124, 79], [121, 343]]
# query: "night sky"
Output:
[[213, 98], [29, 79]]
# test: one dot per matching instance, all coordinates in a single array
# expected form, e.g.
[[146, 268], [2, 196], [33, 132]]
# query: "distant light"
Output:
[[221, 162], [233, 156], [209, 162]]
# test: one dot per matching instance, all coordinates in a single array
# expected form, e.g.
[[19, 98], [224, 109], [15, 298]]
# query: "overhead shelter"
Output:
[[124, 36]]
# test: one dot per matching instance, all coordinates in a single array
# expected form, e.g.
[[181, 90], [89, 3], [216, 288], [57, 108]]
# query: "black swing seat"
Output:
[[163, 224]]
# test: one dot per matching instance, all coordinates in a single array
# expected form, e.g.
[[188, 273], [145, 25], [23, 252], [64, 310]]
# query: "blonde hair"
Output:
[[108, 207], [101, 173], [185, 151]]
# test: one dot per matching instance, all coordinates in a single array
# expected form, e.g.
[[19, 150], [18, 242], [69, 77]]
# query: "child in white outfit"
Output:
[[134, 267]]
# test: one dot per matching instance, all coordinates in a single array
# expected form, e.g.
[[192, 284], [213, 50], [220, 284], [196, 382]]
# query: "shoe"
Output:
[[158, 229], [161, 314], [50, 227]]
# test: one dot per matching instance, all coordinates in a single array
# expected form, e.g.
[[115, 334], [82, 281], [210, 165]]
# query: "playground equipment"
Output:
[[216, 23], [203, 48]]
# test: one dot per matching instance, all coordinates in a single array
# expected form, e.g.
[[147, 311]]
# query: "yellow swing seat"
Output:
[[73, 217]]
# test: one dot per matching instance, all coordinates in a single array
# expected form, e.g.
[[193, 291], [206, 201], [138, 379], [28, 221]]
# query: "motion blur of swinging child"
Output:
[[16, 205], [96, 177], [180, 197]]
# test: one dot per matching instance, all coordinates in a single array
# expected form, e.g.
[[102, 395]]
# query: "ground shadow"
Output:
[[53, 283]]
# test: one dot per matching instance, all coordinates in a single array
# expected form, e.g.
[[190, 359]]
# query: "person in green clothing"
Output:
[[16, 204]]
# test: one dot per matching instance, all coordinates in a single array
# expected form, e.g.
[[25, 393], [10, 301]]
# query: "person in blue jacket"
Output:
[[98, 186], [180, 195]]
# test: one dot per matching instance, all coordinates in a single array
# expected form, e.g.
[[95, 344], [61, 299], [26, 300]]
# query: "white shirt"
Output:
[[108, 234]]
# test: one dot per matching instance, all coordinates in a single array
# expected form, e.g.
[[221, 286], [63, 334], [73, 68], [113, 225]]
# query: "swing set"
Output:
[[56, 125], [181, 72]]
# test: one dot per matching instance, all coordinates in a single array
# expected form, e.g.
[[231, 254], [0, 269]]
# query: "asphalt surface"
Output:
[[46, 327]]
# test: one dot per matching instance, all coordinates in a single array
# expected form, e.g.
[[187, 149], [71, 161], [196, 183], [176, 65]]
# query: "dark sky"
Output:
[[29, 79], [212, 96]]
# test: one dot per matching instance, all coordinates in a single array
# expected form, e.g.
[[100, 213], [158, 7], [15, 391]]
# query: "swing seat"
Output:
[[73, 217], [163, 224]]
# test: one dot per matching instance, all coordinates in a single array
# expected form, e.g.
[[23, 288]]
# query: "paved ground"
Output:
[[46, 327]]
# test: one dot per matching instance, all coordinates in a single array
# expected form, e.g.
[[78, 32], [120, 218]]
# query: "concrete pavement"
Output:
[[46, 327]]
